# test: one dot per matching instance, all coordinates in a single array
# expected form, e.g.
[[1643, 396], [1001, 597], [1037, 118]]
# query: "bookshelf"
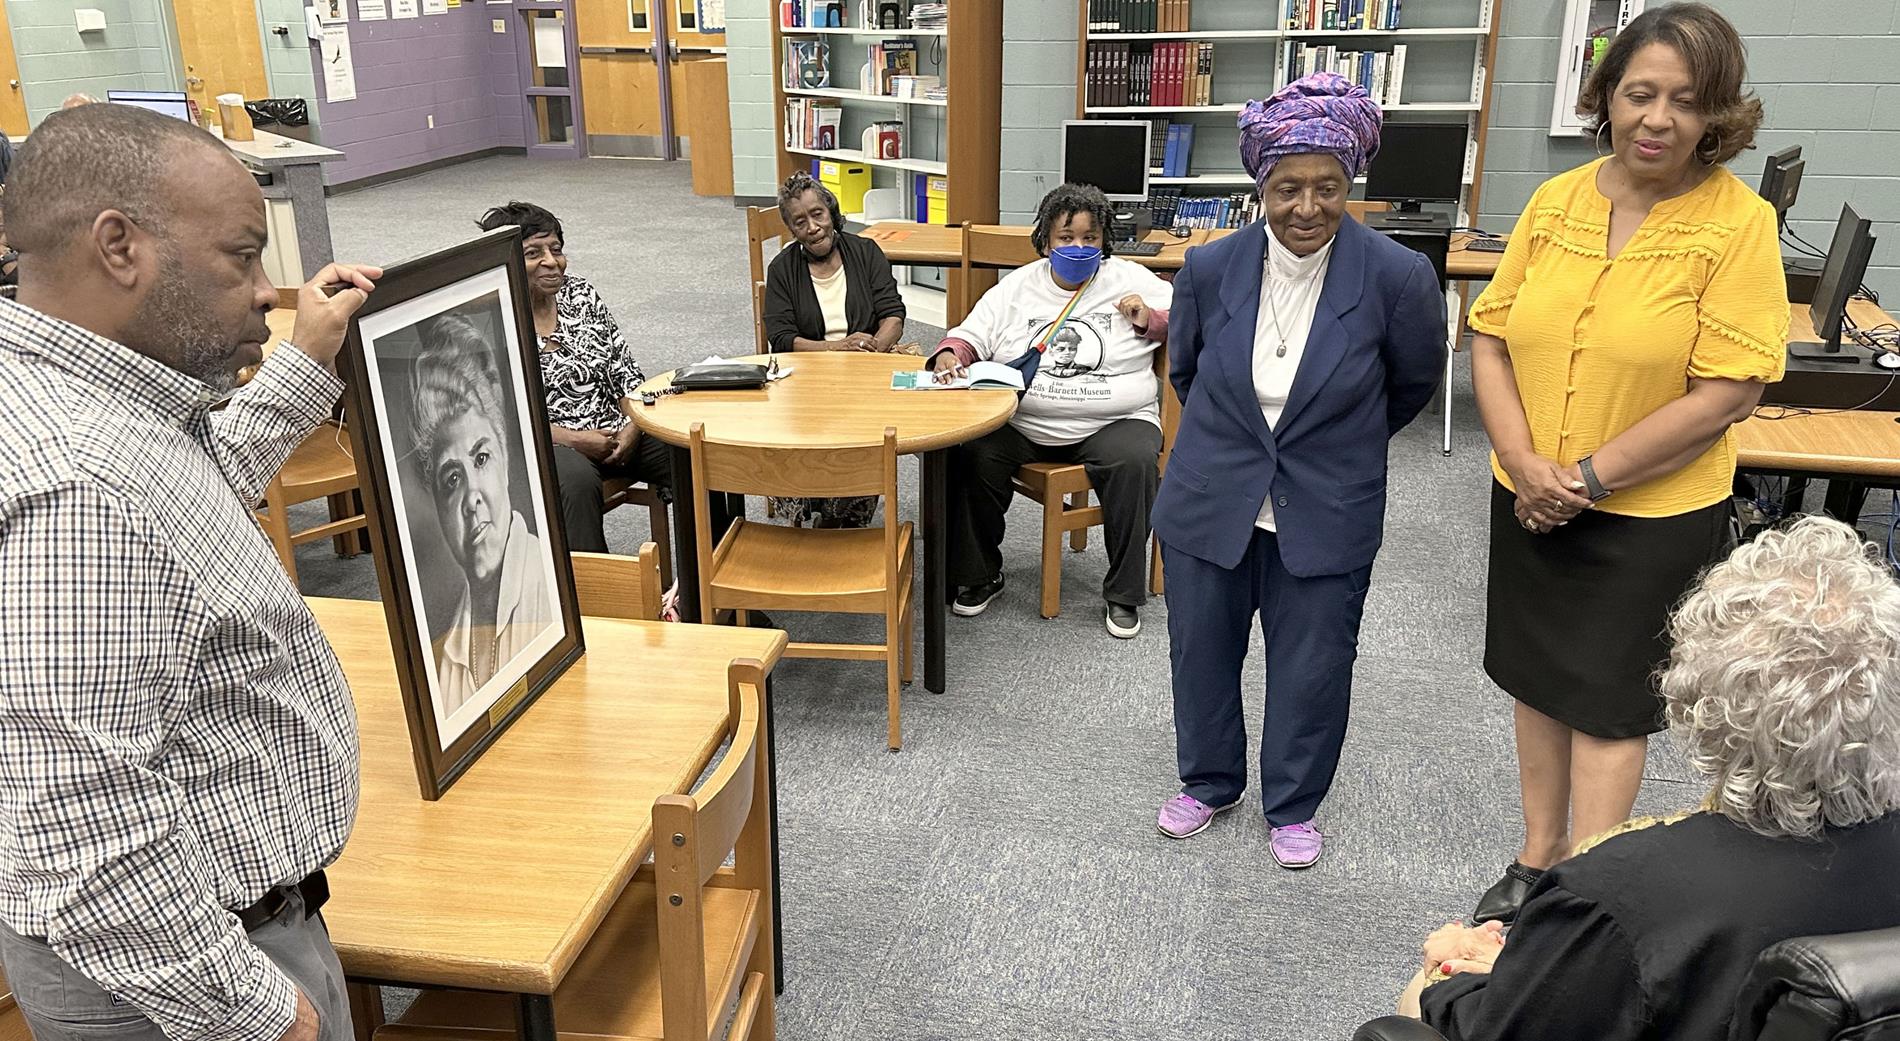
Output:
[[957, 137], [1450, 46]]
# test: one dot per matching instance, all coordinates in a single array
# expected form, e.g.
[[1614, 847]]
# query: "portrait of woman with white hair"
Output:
[[1783, 690]]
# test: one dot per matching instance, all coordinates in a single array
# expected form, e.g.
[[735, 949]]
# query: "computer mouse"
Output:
[[1887, 360]]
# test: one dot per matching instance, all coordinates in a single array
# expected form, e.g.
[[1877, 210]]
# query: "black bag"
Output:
[[720, 376], [290, 112]]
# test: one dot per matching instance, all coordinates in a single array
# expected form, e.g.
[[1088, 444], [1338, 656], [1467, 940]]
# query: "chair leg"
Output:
[[910, 655], [662, 540], [1155, 584], [892, 691], [1052, 559], [1079, 538], [366, 1009]]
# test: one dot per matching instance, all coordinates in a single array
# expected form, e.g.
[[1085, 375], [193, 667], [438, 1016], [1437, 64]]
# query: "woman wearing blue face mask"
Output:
[[1083, 327]]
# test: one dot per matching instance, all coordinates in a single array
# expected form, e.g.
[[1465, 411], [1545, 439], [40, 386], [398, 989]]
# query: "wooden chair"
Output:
[[613, 586], [619, 491], [1063, 492], [685, 953], [772, 567], [763, 225], [320, 468], [12, 1021]]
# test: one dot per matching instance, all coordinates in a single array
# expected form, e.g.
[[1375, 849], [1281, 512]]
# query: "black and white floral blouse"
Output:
[[586, 365]]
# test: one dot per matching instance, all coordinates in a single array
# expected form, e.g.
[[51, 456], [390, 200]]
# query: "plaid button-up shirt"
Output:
[[176, 736]]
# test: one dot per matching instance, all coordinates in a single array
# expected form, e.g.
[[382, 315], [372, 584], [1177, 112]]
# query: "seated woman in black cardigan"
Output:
[[828, 290], [1784, 687]]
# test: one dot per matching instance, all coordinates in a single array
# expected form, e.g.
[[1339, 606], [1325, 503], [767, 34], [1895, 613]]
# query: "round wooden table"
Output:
[[831, 398]]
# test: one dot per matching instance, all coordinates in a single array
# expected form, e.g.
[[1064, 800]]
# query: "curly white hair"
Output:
[[1784, 681]]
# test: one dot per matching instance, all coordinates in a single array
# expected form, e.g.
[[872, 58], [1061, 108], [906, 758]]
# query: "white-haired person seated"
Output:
[[1783, 686]]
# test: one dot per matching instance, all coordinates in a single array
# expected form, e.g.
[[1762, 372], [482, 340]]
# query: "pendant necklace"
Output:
[[1273, 309]]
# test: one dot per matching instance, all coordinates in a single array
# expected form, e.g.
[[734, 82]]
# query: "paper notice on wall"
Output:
[[404, 9], [550, 43], [339, 70], [372, 10], [333, 12], [435, 6]]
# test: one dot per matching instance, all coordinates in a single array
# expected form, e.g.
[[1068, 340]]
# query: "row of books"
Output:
[[812, 123], [1159, 74], [1169, 208], [1138, 16], [1175, 150], [1314, 15], [1382, 73], [810, 14]]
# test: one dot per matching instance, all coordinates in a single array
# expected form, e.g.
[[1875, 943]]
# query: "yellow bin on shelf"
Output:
[[937, 192], [847, 181]]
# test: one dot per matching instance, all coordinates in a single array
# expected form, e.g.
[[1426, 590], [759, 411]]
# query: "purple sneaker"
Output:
[[1296, 846], [1184, 815]]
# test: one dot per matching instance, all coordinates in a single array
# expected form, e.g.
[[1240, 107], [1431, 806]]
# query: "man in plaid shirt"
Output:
[[178, 750]]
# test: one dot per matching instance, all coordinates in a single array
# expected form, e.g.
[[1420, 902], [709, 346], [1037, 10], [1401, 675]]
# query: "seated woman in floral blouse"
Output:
[[591, 380]]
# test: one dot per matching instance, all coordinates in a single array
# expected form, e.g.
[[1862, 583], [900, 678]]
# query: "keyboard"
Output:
[[1139, 249], [1486, 245]]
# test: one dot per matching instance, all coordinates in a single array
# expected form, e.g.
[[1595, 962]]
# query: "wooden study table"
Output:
[[499, 884], [831, 398]]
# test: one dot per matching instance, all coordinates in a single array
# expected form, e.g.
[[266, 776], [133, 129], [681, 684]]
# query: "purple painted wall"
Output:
[[453, 66]]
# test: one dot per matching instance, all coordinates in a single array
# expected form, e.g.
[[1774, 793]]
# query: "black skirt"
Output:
[[1577, 618]]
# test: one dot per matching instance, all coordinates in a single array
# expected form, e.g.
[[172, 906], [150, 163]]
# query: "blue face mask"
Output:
[[1075, 264]]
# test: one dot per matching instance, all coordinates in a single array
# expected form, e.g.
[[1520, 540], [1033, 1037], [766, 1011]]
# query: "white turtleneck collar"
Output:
[[1287, 266]]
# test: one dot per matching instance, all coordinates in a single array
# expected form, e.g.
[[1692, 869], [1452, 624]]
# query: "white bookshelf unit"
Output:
[[1448, 57]]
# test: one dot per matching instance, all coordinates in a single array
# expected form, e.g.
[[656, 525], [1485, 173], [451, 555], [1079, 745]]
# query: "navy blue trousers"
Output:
[[1312, 636]]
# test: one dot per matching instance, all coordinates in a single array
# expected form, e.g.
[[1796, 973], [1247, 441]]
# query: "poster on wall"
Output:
[[435, 6], [372, 10], [712, 16], [339, 69], [333, 12], [404, 9]]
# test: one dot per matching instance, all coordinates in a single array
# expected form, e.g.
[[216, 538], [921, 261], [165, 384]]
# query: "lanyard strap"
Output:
[[1063, 318]]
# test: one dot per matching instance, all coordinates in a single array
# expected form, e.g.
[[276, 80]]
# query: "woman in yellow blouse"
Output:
[[1636, 316]]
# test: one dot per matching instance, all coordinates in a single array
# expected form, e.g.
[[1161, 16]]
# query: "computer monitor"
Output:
[[1847, 258], [1418, 163], [1111, 154], [1781, 181], [163, 102]]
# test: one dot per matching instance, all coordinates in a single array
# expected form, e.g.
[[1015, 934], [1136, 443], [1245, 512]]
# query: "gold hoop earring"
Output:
[[1601, 127], [1707, 159]]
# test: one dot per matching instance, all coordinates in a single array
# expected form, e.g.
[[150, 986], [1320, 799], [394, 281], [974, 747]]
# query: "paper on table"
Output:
[[339, 69]]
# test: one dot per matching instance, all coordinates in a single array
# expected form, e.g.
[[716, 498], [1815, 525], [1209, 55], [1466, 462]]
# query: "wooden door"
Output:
[[12, 100], [222, 51], [619, 76]]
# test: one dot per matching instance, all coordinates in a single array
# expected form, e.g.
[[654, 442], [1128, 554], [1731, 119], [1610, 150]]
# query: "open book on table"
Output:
[[983, 375]]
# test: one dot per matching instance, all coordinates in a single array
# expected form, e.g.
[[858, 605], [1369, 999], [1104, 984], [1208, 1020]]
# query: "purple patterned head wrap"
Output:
[[1324, 112]]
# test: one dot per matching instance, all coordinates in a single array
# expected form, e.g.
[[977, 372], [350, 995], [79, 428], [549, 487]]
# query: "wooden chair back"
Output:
[[611, 585], [746, 469], [763, 226], [692, 835]]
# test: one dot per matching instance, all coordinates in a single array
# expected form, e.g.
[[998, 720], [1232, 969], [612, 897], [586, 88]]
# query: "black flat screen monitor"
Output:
[[164, 102], [1781, 181], [1418, 162], [1847, 258], [1111, 154]]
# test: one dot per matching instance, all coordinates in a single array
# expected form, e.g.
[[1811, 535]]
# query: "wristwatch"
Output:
[[1591, 486]]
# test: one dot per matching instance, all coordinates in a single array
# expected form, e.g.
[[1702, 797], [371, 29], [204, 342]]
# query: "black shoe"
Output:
[[974, 599], [1501, 902], [1124, 622]]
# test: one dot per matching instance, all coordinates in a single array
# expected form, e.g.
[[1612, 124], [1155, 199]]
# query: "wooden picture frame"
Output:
[[455, 459]]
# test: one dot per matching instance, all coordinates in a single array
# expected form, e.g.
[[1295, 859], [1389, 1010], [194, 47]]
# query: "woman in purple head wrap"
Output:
[[1298, 345]]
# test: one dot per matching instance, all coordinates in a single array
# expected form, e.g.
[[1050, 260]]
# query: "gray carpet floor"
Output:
[[1002, 877]]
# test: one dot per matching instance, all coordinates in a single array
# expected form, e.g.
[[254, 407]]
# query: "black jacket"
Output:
[[791, 304], [1650, 934]]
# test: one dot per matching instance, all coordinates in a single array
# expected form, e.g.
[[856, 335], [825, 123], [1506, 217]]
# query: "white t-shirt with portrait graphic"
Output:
[[1097, 370]]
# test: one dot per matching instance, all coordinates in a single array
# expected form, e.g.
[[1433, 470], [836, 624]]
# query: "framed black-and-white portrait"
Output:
[[453, 456]]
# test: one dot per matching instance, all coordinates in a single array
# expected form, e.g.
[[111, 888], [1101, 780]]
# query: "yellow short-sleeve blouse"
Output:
[[1597, 344]]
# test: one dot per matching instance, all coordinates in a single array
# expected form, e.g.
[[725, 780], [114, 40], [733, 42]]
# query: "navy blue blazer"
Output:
[[1374, 357]]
